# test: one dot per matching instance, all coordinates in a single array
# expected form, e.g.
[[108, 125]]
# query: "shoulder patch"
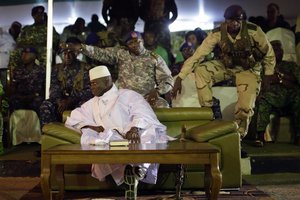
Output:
[[216, 29], [252, 27]]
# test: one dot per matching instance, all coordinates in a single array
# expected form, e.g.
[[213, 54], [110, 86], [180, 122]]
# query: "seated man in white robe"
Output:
[[113, 114]]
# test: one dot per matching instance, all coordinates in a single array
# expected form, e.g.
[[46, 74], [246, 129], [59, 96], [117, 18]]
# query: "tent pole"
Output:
[[49, 47]]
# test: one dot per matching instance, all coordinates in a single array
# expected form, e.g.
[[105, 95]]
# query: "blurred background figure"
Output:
[[7, 44], [15, 29], [95, 26], [78, 30], [120, 16], [274, 19], [159, 14]]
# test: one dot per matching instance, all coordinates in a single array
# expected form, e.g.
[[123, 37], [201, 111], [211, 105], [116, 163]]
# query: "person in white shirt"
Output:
[[116, 114], [7, 44]]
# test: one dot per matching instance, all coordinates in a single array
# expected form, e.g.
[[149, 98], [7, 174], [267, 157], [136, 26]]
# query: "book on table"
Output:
[[119, 142]]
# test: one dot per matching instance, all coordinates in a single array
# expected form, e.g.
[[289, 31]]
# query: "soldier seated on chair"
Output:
[[282, 95], [27, 83], [69, 86]]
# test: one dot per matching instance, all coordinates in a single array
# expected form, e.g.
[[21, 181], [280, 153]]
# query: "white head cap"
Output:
[[99, 72]]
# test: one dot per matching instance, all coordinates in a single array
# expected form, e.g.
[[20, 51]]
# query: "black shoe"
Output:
[[244, 154], [216, 108]]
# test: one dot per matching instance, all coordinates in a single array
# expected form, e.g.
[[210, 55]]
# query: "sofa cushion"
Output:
[[211, 130]]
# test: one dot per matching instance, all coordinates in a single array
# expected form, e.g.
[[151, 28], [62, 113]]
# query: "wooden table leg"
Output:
[[180, 176], [59, 170], [216, 181], [45, 175], [207, 180]]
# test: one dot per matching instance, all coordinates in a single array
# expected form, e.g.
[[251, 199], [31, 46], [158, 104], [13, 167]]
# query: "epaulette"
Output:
[[155, 55], [252, 27], [216, 29]]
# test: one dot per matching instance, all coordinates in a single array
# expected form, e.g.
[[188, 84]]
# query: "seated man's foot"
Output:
[[138, 172], [244, 154]]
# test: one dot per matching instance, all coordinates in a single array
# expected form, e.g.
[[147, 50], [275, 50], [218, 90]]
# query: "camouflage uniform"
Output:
[[29, 88], [33, 36], [139, 73], [241, 58], [66, 83], [280, 98]]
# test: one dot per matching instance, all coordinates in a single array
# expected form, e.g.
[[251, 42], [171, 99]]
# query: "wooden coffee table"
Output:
[[171, 153]]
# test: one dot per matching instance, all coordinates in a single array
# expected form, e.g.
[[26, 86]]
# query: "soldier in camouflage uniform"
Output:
[[34, 35], [69, 87], [139, 69], [27, 83], [244, 49], [283, 96]]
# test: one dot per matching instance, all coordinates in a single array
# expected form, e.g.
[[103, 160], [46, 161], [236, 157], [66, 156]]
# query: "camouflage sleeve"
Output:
[[86, 93], [265, 47], [39, 85], [164, 79], [106, 55], [55, 88], [203, 50]]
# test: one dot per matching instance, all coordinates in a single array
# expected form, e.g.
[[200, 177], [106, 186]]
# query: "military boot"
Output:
[[216, 108]]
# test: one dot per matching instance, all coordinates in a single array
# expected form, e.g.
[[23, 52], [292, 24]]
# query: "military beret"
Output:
[[30, 50], [37, 10], [132, 35], [235, 12]]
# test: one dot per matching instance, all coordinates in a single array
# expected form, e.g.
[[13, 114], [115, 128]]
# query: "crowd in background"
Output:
[[23, 53]]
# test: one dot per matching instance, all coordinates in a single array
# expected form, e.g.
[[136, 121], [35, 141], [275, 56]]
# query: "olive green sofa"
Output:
[[200, 128]]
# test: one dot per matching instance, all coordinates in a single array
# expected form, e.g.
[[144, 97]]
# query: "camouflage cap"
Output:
[[37, 10], [235, 12]]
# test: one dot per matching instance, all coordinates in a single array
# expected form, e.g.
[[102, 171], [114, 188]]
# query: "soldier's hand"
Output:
[[133, 135], [267, 81], [70, 46], [177, 87], [152, 97]]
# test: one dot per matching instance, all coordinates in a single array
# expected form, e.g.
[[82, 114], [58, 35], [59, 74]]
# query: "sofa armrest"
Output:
[[58, 130], [211, 130]]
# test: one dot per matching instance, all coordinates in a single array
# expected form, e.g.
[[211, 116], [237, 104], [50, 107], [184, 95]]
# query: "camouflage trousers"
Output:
[[49, 111], [282, 101], [247, 84]]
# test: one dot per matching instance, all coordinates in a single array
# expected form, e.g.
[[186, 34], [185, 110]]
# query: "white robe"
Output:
[[121, 110]]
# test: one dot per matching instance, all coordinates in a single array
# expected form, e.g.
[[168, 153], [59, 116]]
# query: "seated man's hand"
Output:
[[133, 135], [177, 87], [98, 129]]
